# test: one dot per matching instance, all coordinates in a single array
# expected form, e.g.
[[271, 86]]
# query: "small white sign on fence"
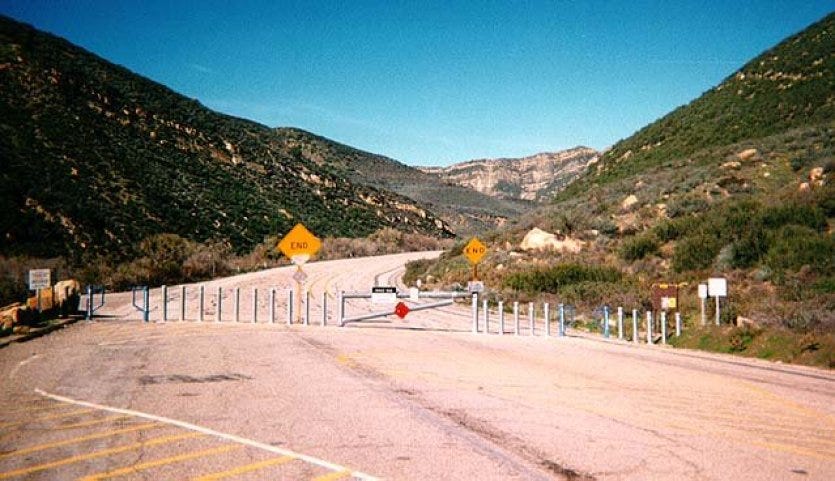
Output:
[[39, 279], [384, 295]]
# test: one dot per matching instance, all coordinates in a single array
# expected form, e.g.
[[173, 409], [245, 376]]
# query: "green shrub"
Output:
[[793, 213], [556, 278], [638, 247], [696, 252], [796, 246]]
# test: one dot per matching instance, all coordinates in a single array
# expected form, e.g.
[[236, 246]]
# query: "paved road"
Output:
[[417, 399]]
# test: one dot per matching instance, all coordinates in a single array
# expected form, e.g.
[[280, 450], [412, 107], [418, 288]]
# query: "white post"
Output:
[[475, 313], [306, 307], [635, 325], [272, 305], [289, 306], [678, 323], [717, 310], [486, 316], [340, 305], [164, 303], [182, 303], [501, 318], [516, 317], [704, 317], [532, 318], [562, 320], [620, 323], [254, 305], [649, 327], [237, 304], [201, 302], [663, 327], [324, 308], [547, 320], [219, 303]]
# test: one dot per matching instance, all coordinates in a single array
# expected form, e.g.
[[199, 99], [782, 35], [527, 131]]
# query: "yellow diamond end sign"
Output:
[[299, 244], [475, 250]]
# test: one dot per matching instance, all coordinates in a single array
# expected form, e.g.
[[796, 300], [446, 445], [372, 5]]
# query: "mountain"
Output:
[[533, 178], [96, 158], [464, 209], [736, 184]]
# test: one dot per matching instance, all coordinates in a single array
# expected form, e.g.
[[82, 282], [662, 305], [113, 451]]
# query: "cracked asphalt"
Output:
[[422, 398]]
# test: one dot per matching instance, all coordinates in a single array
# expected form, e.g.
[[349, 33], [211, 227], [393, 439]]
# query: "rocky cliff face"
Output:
[[535, 178]]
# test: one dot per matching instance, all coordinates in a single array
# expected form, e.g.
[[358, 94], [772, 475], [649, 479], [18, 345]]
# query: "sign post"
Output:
[[474, 251], [717, 287], [39, 279], [702, 300], [299, 245]]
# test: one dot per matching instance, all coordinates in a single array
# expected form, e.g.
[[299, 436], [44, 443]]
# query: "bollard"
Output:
[[486, 309], [606, 322], [516, 317], [532, 318], [635, 325], [164, 293], [340, 303], [547, 309], [562, 320], [89, 315], [649, 327], [501, 318], [290, 306], [182, 303], [200, 301], [663, 327], [324, 308], [272, 305], [475, 313], [678, 324], [145, 307], [219, 304], [254, 305], [306, 307], [620, 323], [237, 304]]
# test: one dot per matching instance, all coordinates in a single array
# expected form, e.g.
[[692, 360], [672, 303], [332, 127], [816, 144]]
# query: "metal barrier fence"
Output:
[[265, 307]]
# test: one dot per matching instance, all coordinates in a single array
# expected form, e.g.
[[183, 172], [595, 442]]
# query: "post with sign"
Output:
[[299, 245], [39, 279], [717, 287], [474, 251]]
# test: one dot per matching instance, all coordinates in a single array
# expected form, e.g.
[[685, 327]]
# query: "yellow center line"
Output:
[[45, 418], [80, 439], [92, 423], [159, 462], [248, 468], [97, 454], [332, 476]]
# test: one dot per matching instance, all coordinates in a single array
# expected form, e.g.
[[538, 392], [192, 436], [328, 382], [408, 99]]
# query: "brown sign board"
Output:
[[664, 297]]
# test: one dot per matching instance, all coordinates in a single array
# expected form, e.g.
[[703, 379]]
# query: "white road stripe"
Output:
[[229, 437]]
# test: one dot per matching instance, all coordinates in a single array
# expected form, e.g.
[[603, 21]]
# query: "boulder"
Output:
[[66, 295], [629, 201], [538, 239], [746, 322], [733, 165], [747, 154], [15, 314], [816, 176]]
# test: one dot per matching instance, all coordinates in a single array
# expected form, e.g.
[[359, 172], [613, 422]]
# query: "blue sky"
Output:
[[431, 83]]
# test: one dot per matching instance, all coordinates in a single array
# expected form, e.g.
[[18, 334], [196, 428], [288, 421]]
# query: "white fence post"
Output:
[[486, 316], [272, 305], [501, 318], [678, 324], [219, 304], [547, 309], [475, 313], [663, 327], [324, 308], [237, 300], [164, 303], [516, 317], [201, 303], [182, 303], [254, 305], [289, 306], [620, 323], [649, 327], [635, 325], [532, 318]]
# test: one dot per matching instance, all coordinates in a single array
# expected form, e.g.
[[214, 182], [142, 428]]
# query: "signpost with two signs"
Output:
[[299, 245]]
